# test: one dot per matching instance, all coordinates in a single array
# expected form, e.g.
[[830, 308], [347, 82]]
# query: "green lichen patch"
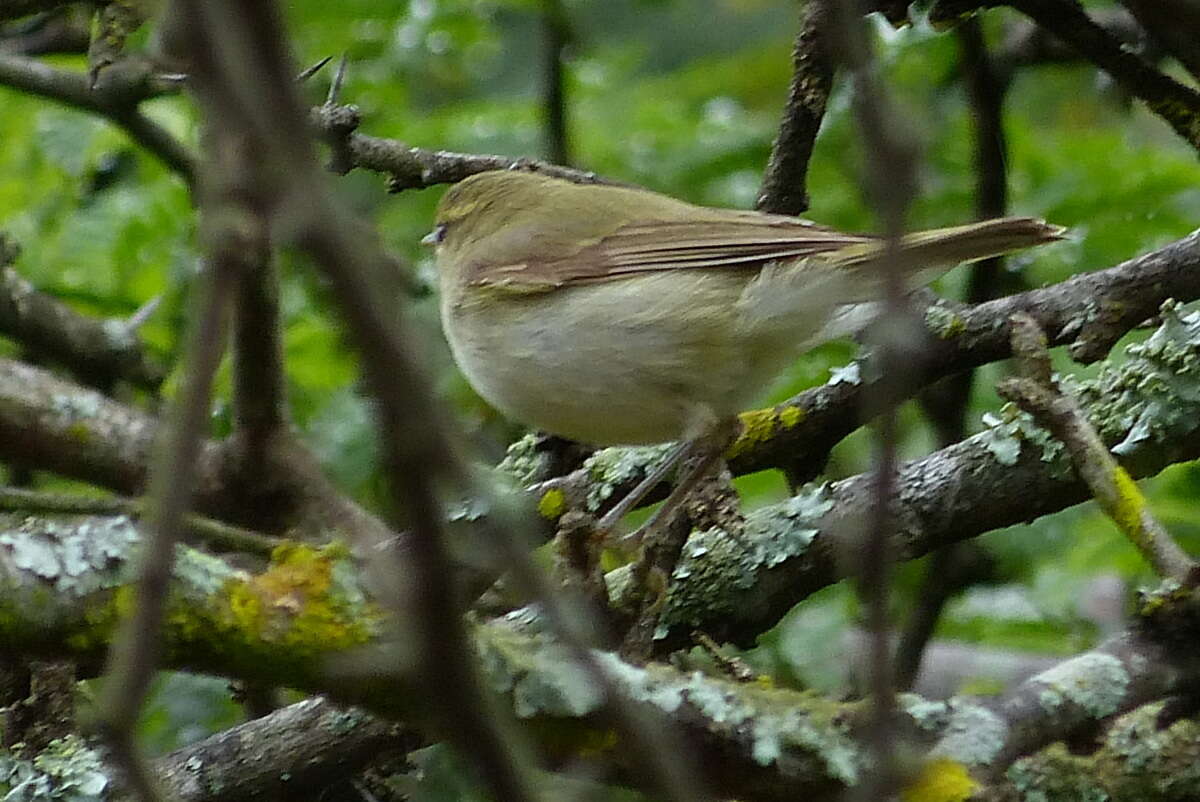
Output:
[[940, 780], [552, 504], [760, 425], [307, 601]]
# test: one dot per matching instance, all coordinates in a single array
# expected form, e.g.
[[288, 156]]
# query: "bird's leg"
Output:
[[643, 488], [702, 454], [700, 466]]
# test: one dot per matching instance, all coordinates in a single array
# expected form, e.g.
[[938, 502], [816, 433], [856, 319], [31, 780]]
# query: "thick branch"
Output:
[[287, 754], [307, 610]]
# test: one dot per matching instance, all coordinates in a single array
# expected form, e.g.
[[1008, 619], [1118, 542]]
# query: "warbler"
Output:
[[616, 315]]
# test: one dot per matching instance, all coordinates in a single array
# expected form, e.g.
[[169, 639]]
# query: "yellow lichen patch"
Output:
[[940, 780], [552, 504], [758, 425], [296, 602], [570, 738], [790, 416], [1126, 507]]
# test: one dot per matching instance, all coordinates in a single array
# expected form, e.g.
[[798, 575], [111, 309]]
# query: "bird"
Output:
[[615, 315]]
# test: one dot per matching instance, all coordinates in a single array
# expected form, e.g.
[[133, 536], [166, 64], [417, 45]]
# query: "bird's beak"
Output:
[[434, 237]]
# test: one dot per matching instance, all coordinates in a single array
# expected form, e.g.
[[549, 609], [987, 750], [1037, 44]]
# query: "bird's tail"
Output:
[[785, 297], [936, 250]]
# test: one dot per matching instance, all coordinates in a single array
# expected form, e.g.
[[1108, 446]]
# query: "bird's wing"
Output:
[[747, 240]]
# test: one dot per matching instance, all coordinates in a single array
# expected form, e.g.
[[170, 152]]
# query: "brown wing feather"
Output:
[[735, 240]]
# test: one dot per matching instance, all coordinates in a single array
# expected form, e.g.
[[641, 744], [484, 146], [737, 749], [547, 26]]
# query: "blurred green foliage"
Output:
[[683, 97]]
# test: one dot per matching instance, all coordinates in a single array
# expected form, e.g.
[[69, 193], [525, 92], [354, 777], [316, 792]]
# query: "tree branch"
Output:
[[116, 100], [418, 168], [1175, 103], [288, 623], [291, 752], [1145, 409], [98, 351], [784, 188]]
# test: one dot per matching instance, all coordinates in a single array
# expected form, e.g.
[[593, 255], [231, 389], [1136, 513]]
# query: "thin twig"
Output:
[[115, 101], [890, 179], [229, 41], [214, 534], [557, 32], [945, 403], [133, 656], [1037, 393], [418, 168]]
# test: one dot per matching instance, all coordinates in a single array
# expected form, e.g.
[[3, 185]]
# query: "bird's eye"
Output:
[[436, 236]]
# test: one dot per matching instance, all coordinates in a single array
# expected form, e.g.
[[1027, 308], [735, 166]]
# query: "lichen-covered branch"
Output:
[[1037, 393], [288, 753], [48, 423], [1078, 695], [64, 582], [1146, 410]]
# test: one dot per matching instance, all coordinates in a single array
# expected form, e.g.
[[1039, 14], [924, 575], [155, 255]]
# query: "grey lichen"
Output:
[[931, 716], [714, 568], [537, 673], [848, 374], [522, 461], [1148, 402], [77, 554], [78, 406], [973, 735], [1007, 433], [68, 770], [1054, 776], [945, 323], [1153, 397], [1094, 682], [773, 727], [609, 468], [777, 726]]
